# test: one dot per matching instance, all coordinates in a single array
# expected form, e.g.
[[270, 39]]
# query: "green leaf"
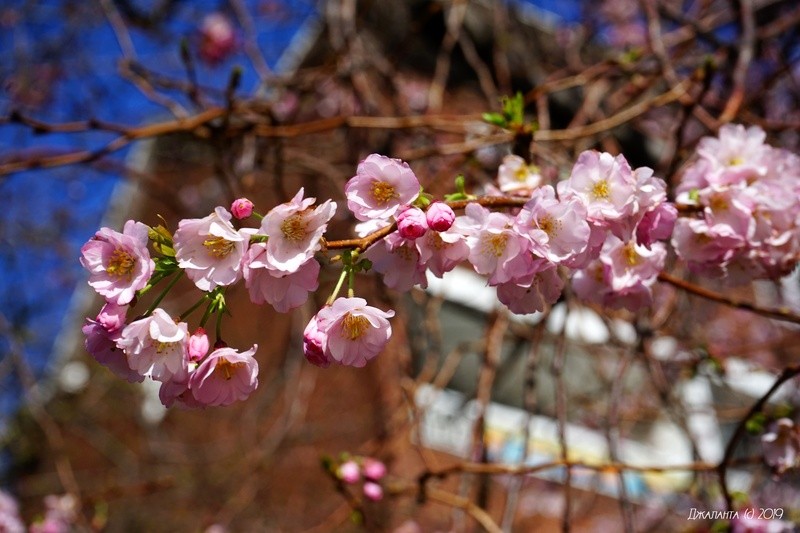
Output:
[[162, 240], [495, 118], [455, 197], [166, 265], [755, 424]]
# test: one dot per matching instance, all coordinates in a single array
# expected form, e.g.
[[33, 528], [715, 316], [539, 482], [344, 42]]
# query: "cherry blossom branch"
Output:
[[620, 118], [360, 245], [781, 313], [127, 137]]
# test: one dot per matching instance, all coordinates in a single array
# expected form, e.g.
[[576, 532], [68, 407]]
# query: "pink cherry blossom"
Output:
[[630, 263], [399, 261], [282, 290], [515, 176], [315, 341], [241, 208], [119, 264], [781, 445], [355, 331], [728, 207], [373, 491], [623, 275], [442, 251], [652, 217], [440, 216], [705, 248], [589, 283], [225, 376], [736, 155], [657, 224], [604, 183], [496, 249], [176, 392], [557, 230], [210, 250], [294, 231], [373, 469], [349, 472], [537, 294], [411, 223], [156, 346], [380, 187], [102, 346]]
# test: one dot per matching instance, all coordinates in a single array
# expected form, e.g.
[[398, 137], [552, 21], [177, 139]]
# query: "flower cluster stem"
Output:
[[166, 290]]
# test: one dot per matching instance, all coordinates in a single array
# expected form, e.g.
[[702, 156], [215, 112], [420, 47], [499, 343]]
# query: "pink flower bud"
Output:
[[315, 339], [440, 216], [374, 469], [411, 223], [198, 345], [242, 208], [373, 491], [112, 316], [349, 472], [217, 38]]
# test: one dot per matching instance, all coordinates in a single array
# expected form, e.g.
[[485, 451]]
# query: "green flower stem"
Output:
[[207, 312], [163, 293], [218, 330], [154, 280], [339, 284], [192, 309], [351, 283]]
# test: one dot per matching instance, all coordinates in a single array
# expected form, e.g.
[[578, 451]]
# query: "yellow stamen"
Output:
[[353, 327], [405, 253], [718, 203], [294, 227], [521, 174], [631, 257], [600, 190], [382, 192], [227, 368], [121, 263], [496, 244], [735, 161], [218, 247], [162, 347], [435, 241], [549, 225]]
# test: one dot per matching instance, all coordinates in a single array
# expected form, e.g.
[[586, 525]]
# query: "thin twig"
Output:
[[782, 313]]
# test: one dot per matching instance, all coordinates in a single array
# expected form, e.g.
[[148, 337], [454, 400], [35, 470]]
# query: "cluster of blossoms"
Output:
[[370, 470], [604, 227], [747, 196], [604, 222], [213, 254]]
